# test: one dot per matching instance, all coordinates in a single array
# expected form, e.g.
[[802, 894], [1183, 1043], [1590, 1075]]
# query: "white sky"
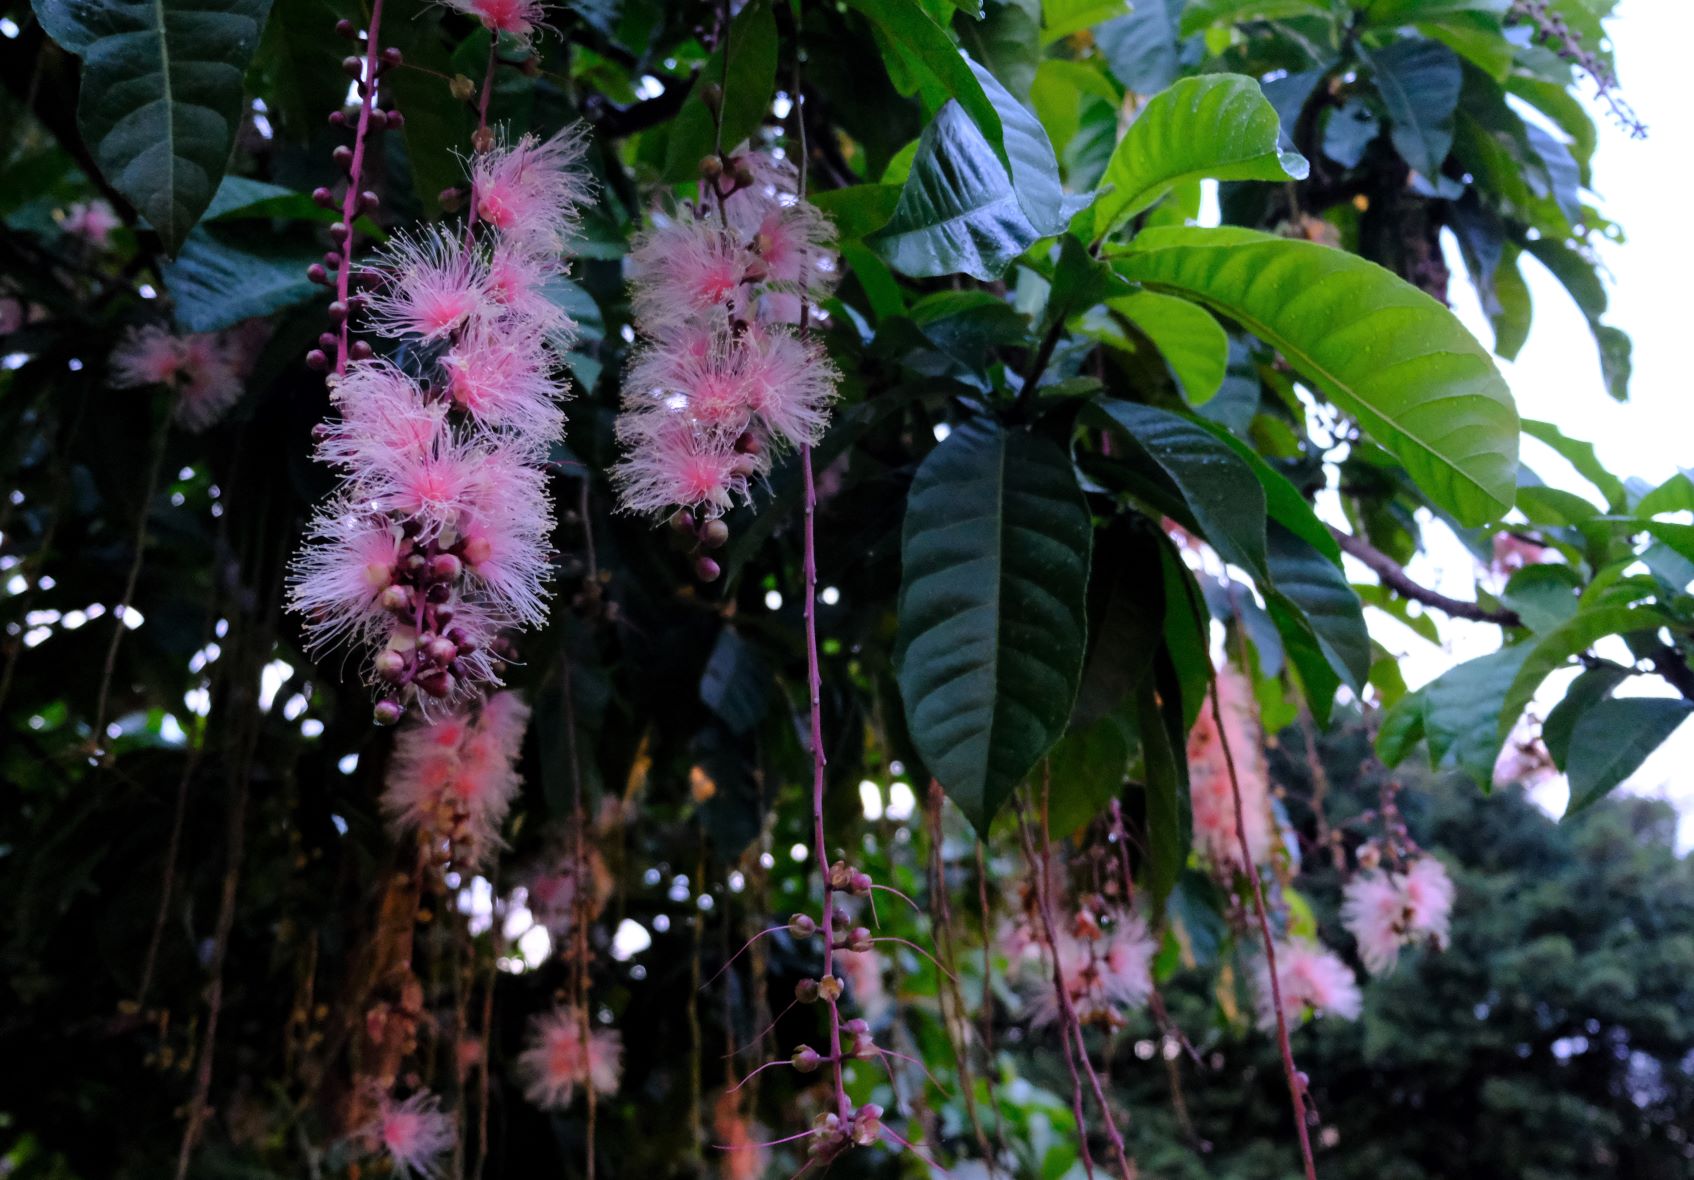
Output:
[[1557, 375]]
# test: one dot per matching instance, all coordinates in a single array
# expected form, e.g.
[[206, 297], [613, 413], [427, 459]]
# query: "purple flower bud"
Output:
[[387, 712], [806, 1059]]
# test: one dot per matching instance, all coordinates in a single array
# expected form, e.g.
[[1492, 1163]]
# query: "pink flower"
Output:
[[686, 268], [432, 285], [740, 1155], [146, 355], [213, 382], [558, 1059], [92, 221], [384, 417], [503, 379], [454, 777], [1312, 979], [670, 464], [517, 18], [1385, 911], [414, 1134], [336, 579], [791, 384], [1105, 970], [532, 191], [1210, 788], [519, 283]]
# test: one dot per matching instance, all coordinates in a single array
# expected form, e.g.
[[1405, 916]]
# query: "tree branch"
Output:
[[1394, 576]]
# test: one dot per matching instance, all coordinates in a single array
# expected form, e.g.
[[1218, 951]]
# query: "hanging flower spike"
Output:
[[686, 269], [382, 420], [454, 778], [670, 465], [414, 1135], [1311, 978], [531, 191], [558, 1060], [1209, 782]]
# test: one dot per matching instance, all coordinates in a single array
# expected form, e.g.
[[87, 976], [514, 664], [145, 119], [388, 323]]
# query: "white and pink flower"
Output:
[[559, 1059]]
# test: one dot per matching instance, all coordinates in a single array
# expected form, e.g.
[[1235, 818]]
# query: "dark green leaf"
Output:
[[735, 682], [1034, 167], [1544, 596], [226, 274], [1613, 738], [1087, 767], [1167, 792], [1401, 729], [747, 92], [1126, 610], [1307, 585], [1143, 48], [1551, 650], [1462, 713], [161, 95], [1419, 82], [1378, 347], [992, 610], [1591, 686]]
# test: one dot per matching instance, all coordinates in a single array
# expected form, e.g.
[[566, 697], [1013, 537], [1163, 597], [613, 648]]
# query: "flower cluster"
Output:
[[721, 375], [1312, 980], [1387, 910], [559, 1058], [438, 539], [1212, 793], [1106, 962], [454, 777], [206, 370]]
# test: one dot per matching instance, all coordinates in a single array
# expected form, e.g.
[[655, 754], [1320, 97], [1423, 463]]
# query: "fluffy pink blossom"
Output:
[[414, 1135], [203, 368], [741, 1155], [688, 267], [92, 221], [339, 578], [455, 776], [147, 355], [1387, 910], [1210, 789], [671, 464], [501, 380], [557, 1059], [1312, 979], [531, 191], [520, 19], [522, 283], [383, 418], [431, 285], [1105, 970]]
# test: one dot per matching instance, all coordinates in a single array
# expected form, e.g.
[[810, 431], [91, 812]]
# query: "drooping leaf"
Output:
[[1283, 500], [1087, 768], [1401, 729], [1143, 49], [1306, 585], [992, 610], [1382, 350], [1217, 125], [1126, 609], [1513, 306], [1581, 278], [1218, 488], [1193, 344], [1552, 649], [747, 87], [161, 95], [1006, 40], [958, 212], [1165, 770], [226, 274], [1591, 686], [735, 683], [1582, 456], [1462, 712], [1419, 82], [1613, 738], [1061, 18], [1201, 14], [1034, 167]]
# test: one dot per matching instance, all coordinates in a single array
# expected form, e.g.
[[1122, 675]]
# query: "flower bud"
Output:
[[806, 1059], [712, 95], [806, 991], [706, 569], [444, 567], [840, 875], [442, 650], [322, 196], [392, 56], [437, 683], [802, 926], [396, 598], [861, 882], [387, 712], [477, 550], [867, 1125], [379, 119], [360, 350], [714, 534], [482, 140], [857, 1027], [352, 66], [859, 940], [711, 167], [743, 176], [461, 87], [830, 988], [682, 521], [389, 664], [316, 360], [345, 28], [317, 274]]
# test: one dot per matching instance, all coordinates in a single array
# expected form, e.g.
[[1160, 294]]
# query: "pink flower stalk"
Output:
[[92, 221], [1312, 979], [520, 19], [1387, 910], [414, 1134], [558, 1060], [719, 377], [531, 191], [204, 369], [1105, 971], [455, 777], [1210, 790], [449, 451]]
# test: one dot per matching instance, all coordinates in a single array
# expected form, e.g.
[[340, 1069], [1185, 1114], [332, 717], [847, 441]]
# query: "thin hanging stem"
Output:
[[1296, 1087], [350, 202]]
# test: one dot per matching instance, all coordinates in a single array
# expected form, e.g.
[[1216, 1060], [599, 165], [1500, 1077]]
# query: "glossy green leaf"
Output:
[[958, 212], [735, 683], [1218, 126], [1514, 308], [1219, 490], [1401, 729], [1143, 49], [992, 610], [1034, 167], [1007, 40], [1061, 18], [1462, 712], [161, 95], [1306, 582], [1591, 686], [1613, 738], [1419, 82], [747, 87], [1087, 767], [1283, 500], [1201, 14], [228, 273], [1193, 344], [1165, 772], [858, 210], [1382, 350], [1552, 650], [1126, 610]]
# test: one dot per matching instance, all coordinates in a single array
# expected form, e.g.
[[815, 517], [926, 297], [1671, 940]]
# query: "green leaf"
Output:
[[1513, 309], [1676, 494], [1591, 686], [958, 212], [735, 682], [1201, 14], [1462, 712], [1165, 770], [1401, 729], [747, 89], [1218, 126], [1613, 738], [1088, 767], [1034, 167], [1283, 500], [161, 95], [1143, 48], [226, 274], [1419, 82], [438, 126], [1544, 596], [1007, 41], [1193, 344], [1219, 490], [1379, 348], [1550, 651], [1126, 611], [1061, 18], [1326, 612], [924, 50], [1580, 455], [858, 210], [992, 610]]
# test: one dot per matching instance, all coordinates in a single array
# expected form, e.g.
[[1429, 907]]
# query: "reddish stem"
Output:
[[355, 171], [1296, 1088]]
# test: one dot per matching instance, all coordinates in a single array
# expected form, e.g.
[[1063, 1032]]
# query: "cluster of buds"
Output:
[[832, 1134]]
